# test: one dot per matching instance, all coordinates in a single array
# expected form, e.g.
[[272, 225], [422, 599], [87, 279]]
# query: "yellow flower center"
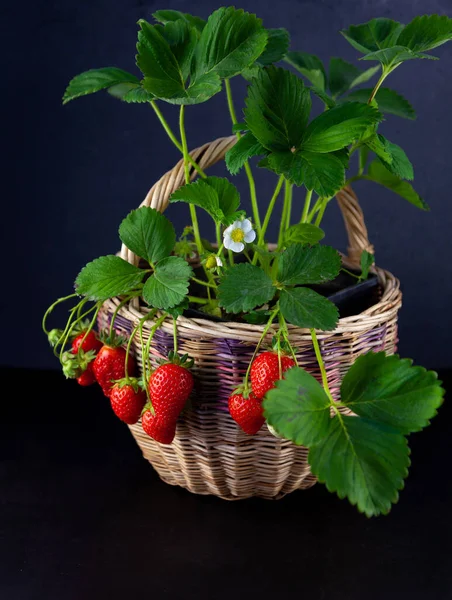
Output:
[[237, 235]]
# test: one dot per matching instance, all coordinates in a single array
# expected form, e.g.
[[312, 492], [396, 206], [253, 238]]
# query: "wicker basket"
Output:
[[210, 454]]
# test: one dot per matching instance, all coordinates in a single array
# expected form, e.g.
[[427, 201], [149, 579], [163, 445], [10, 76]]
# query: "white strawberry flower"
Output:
[[238, 234]]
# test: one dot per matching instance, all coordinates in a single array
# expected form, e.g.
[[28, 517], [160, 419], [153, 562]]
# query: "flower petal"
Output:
[[246, 225], [250, 236], [237, 225], [236, 246], [227, 241], [219, 261], [228, 230]]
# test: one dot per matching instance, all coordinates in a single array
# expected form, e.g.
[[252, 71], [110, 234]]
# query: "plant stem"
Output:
[[218, 233], [285, 332], [268, 215], [264, 333], [139, 325], [383, 76], [50, 309], [115, 314], [196, 300], [306, 207], [201, 282], [289, 206], [174, 335], [193, 215], [319, 357], [321, 211], [285, 212], [350, 273], [314, 209], [173, 138], [249, 174]]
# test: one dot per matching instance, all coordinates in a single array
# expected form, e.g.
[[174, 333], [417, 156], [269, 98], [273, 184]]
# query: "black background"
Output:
[[84, 517], [72, 173]]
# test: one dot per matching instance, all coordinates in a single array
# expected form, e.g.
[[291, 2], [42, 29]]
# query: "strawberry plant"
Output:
[[184, 60]]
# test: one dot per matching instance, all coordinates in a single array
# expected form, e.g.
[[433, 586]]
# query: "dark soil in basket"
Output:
[[350, 297]]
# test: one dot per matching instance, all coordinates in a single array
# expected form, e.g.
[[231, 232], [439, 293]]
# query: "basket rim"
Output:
[[379, 313]]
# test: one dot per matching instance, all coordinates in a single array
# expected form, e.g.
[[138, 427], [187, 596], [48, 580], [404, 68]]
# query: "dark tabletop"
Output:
[[84, 516]]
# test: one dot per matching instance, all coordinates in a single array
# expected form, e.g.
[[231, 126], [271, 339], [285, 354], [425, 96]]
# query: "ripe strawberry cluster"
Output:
[[245, 406], [169, 385]]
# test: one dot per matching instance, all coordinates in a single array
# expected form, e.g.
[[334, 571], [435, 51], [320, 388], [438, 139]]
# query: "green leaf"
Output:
[[182, 40], [245, 148], [377, 145], [426, 33], [245, 287], [286, 163], [373, 35], [399, 164], [168, 16], [137, 95], [200, 194], [298, 408], [276, 48], [168, 285], [323, 173], [389, 101], [277, 109], [363, 461], [107, 277], [148, 233], [228, 197], [323, 96], [379, 174], [310, 66], [344, 76], [155, 59], [257, 317], [300, 265], [339, 127], [366, 261], [305, 308], [231, 41], [178, 311], [389, 57], [96, 80], [216, 195], [303, 233], [389, 390]]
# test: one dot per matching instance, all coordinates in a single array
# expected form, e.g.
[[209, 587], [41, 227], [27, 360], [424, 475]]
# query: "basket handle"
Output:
[[211, 153]]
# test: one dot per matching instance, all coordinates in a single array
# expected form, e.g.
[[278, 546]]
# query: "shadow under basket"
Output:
[[210, 453]]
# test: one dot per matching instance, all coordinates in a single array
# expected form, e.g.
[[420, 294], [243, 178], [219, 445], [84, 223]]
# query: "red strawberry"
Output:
[[109, 365], [265, 372], [158, 427], [127, 400], [87, 377], [246, 412], [90, 342], [170, 386]]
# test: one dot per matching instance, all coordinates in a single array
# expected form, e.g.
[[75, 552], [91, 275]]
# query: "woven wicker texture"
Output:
[[210, 454]]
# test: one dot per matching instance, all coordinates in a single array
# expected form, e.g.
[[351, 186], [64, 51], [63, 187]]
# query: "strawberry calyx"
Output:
[[133, 382], [75, 364], [176, 359], [80, 327], [280, 346], [54, 336], [146, 407], [113, 341], [242, 390]]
